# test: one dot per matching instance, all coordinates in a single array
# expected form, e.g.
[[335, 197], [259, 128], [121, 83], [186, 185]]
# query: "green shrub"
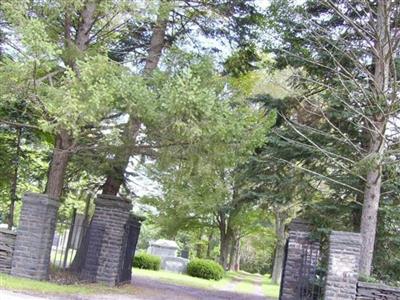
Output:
[[205, 268], [146, 261]]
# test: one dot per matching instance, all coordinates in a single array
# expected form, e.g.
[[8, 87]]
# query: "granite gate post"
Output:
[[299, 241], [31, 258], [342, 275], [107, 238]]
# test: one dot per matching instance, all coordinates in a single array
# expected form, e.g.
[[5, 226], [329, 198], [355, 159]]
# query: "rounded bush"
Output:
[[205, 268], [146, 261]]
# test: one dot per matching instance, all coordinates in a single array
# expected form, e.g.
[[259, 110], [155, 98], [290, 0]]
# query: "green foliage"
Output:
[[146, 261], [257, 252], [205, 268]]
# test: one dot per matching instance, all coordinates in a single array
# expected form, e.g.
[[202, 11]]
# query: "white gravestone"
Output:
[[167, 250]]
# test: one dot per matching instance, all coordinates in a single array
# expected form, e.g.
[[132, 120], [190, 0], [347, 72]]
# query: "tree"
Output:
[[347, 50], [61, 70], [176, 22]]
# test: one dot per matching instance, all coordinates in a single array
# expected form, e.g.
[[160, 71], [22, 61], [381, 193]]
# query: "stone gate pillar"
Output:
[[342, 275], [299, 241], [35, 234], [106, 245]]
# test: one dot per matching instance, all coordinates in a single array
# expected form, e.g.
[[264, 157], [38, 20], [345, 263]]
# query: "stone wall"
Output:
[[299, 241], [370, 291], [344, 256], [35, 234], [107, 237], [7, 243]]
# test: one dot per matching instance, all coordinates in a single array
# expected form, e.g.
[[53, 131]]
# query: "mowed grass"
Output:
[[247, 285], [43, 287], [269, 289]]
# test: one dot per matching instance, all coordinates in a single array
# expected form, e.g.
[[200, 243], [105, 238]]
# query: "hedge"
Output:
[[146, 261], [205, 268]]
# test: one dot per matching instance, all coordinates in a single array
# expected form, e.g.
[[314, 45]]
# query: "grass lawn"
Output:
[[270, 290], [43, 287]]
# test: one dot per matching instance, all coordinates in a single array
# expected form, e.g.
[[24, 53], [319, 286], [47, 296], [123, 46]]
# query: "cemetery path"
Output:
[[150, 289], [251, 281]]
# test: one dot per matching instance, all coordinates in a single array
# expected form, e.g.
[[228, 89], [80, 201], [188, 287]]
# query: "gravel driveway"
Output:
[[146, 289]]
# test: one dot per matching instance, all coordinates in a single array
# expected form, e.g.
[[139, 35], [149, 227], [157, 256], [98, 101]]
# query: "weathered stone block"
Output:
[[108, 259], [342, 275], [35, 234], [7, 244], [299, 241]]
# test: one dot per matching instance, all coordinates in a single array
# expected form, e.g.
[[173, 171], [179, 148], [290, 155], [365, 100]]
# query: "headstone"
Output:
[[167, 250], [174, 264], [163, 248], [35, 234]]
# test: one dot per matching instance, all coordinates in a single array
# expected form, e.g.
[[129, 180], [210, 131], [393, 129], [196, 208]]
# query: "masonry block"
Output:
[[31, 258], [107, 240], [342, 275], [299, 241]]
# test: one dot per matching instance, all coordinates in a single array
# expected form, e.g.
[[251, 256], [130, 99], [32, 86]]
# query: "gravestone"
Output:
[[163, 248], [168, 252]]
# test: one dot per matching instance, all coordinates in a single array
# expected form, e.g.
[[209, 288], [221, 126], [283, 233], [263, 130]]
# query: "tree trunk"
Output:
[[14, 182], [224, 240], [237, 257], [64, 141], [199, 252], [58, 164], [224, 251], [157, 43], [116, 177], [209, 244], [279, 250], [377, 125], [234, 254]]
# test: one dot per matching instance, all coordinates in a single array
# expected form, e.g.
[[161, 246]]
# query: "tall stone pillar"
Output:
[[106, 245], [344, 259], [35, 234], [299, 242]]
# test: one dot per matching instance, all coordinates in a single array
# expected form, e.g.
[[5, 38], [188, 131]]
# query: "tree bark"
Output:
[[14, 182], [64, 141], [209, 244], [377, 126], [225, 237], [58, 164], [199, 252], [116, 177], [234, 254], [279, 249], [237, 257], [157, 43]]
